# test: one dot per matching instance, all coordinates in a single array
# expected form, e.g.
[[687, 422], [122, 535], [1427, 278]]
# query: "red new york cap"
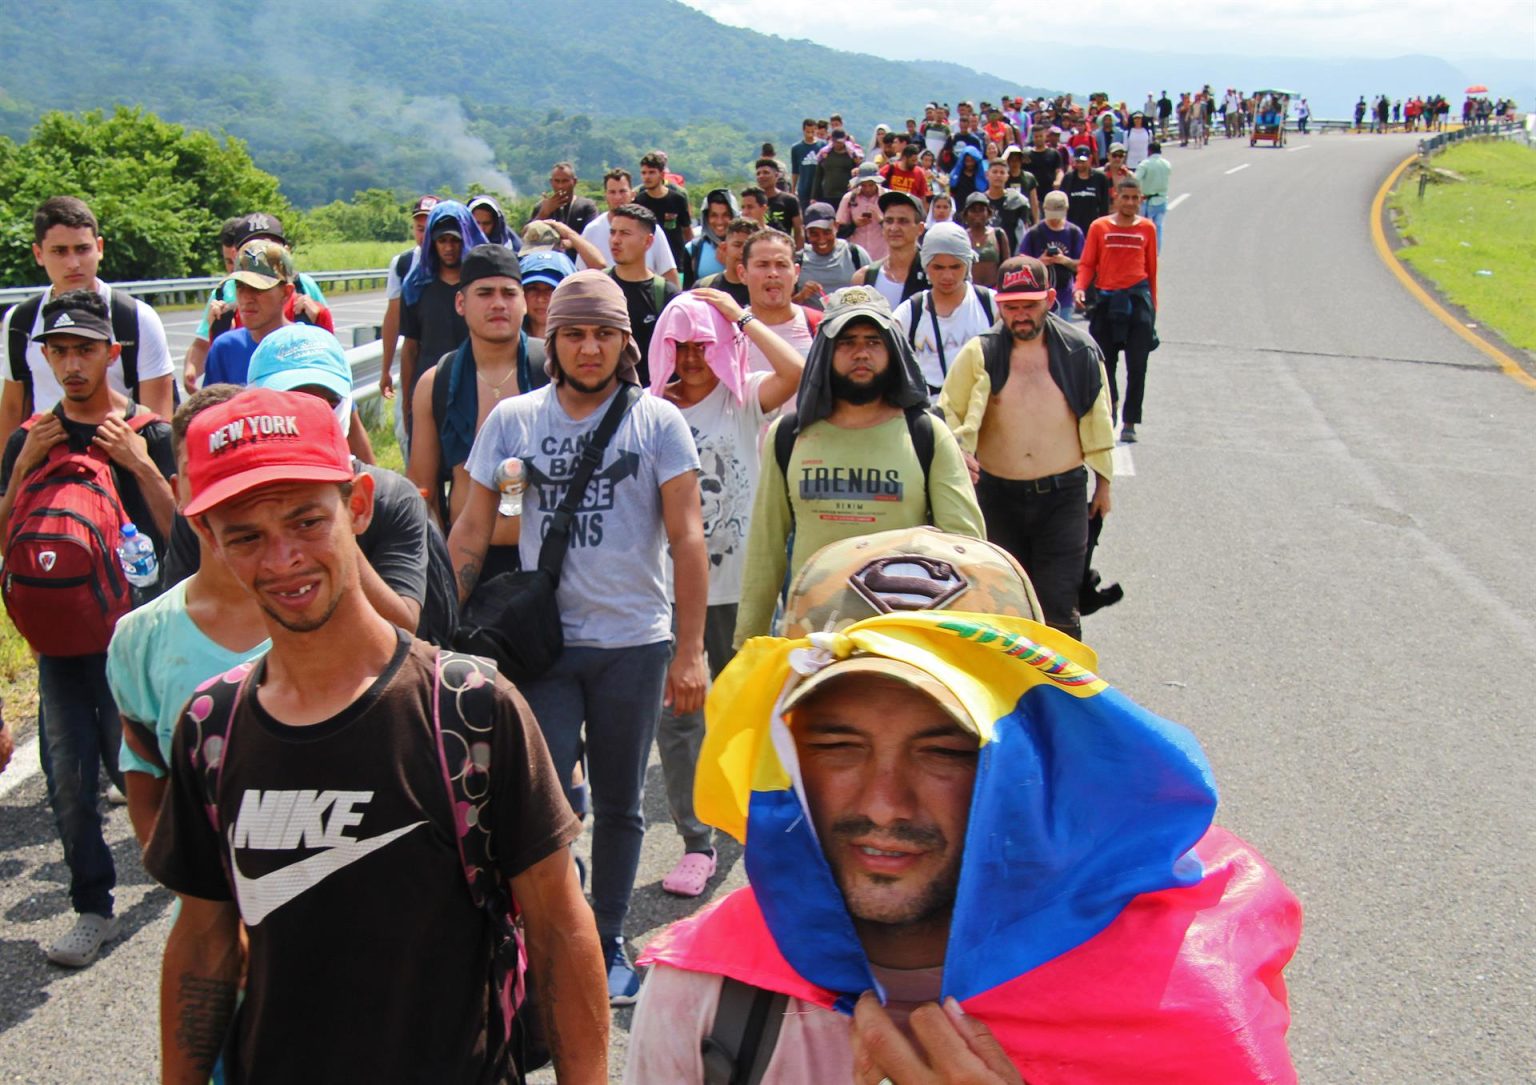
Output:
[[261, 437]]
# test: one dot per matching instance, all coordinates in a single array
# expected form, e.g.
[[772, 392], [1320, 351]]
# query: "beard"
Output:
[[872, 899], [1029, 334], [591, 389], [859, 393]]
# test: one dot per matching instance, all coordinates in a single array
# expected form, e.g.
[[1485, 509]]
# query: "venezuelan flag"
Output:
[[1102, 928]]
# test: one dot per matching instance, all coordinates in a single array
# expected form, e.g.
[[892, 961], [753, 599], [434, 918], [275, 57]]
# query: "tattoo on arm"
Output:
[[205, 1007], [469, 576]]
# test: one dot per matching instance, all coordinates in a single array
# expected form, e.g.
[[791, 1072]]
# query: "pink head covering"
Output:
[[690, 319]]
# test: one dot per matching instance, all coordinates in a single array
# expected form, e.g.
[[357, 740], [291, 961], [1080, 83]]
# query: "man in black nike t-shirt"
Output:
[[309, 798]]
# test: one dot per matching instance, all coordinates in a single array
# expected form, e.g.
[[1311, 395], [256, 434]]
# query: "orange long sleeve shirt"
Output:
[[1115, 257]]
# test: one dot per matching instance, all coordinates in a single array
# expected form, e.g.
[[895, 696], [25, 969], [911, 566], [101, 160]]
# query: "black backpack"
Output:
[[125, 331]]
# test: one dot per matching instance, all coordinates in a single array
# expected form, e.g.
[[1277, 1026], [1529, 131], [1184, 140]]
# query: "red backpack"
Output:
[[63, 586]]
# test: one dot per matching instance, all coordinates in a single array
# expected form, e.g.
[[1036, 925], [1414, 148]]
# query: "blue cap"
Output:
[[298, 355], [546, 267]]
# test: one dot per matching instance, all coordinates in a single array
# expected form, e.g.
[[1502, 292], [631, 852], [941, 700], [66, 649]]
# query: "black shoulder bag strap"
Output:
[[746, 1030], [920, 430], [558, 540], [938, 336], [125, 329], [23, 316]]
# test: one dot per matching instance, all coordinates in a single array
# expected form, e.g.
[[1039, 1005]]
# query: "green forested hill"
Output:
[[339, 95]]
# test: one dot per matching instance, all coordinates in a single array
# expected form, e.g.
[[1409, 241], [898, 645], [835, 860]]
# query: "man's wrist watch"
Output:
[[743, 320]]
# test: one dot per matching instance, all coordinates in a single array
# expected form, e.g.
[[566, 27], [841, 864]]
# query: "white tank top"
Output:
[[889, 287]]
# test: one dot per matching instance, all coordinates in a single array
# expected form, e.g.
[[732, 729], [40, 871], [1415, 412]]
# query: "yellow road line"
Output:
[[1379, 240]]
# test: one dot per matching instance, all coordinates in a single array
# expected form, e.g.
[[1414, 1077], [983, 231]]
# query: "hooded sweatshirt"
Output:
[[702, 261], [426, 267], [845, 482], [500, 233]]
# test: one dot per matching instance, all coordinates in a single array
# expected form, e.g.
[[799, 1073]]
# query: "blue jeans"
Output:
[[1154, 208], [617, 693], [80, 734]]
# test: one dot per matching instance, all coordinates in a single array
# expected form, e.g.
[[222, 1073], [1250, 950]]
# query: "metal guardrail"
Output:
[[1503, 130], [180, 288], [365, 361]]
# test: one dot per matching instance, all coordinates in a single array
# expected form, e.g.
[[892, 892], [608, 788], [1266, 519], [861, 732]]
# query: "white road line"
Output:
[[24, 765], [1244, 166], [1303, 147], [1124, 463], [1180, 198]]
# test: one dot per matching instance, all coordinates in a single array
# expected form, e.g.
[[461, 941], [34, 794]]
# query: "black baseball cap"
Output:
[[81, 322], [489, 261], [819, 214], [260, 224], [424, 205], [891, 197]]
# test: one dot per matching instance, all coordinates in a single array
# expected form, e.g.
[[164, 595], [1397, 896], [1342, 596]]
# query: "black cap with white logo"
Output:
[[81, 322]]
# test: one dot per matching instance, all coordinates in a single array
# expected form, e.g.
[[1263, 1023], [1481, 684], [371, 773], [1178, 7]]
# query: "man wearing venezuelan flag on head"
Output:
[[971, 860]]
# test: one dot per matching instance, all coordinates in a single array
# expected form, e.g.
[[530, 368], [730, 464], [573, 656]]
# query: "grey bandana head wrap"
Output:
[[590, 297]]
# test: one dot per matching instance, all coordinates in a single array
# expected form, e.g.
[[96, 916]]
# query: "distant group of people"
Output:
[[831, 458], [1428, 113]]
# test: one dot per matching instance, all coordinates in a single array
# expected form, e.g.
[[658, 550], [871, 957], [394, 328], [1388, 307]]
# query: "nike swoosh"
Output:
[[260, 897]]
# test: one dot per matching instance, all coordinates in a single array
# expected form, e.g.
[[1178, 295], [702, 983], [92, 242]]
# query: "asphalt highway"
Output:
[[1320, 537]]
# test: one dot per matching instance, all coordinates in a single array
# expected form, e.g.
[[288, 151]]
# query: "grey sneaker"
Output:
[[80, 946]]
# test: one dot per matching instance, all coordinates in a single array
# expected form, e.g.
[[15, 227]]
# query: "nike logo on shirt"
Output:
[[260, 897]]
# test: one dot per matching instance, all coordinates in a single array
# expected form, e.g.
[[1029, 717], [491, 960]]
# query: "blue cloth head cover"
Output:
[[500, 233], [426, 268]]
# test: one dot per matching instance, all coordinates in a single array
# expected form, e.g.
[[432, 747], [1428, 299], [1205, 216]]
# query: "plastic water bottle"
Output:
[[137, 553]]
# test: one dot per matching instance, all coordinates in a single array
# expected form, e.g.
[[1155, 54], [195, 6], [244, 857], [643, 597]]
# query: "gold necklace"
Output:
[[497, 387]]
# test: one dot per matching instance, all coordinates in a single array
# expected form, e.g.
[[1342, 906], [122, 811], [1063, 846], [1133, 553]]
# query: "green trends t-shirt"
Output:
[[843, 483]]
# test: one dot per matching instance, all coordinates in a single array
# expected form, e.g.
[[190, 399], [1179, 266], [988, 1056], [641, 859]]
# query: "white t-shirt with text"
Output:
[[726, 435], [613, 590], [955, 330]]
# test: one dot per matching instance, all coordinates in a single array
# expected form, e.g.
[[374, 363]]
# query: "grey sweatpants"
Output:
[[678, 738]]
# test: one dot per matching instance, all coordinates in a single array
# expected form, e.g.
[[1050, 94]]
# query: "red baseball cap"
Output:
[[261, 437], [1023, 278]]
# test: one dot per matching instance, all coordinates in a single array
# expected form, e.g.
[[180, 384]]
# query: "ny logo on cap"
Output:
[[908, 582]]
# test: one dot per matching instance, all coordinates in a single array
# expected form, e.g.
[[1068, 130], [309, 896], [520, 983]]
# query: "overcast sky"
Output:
[[937, 30]]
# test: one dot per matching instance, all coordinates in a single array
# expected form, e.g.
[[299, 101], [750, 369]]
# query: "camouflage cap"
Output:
[[263, 264], [855, 302], [540, 236], [915, 568]]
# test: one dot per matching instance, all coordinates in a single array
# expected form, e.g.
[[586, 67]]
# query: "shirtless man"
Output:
[[490, 299], [1029, 403]]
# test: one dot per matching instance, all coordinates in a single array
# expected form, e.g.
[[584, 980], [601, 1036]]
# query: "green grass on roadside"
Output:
[[379, 416], [347, 255], [1481, 224]]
